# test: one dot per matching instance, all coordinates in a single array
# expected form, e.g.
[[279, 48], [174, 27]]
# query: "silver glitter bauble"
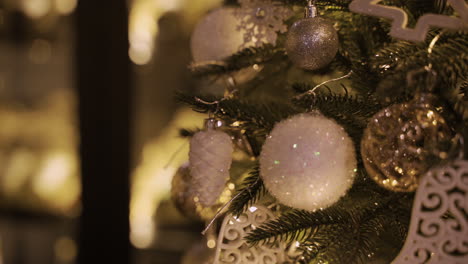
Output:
[[308, 162], [403, 141], [312, 43]]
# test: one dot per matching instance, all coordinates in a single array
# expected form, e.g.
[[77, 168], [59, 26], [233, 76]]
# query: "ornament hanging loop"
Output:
[[213, 123], [217, 102], [431, 48], [431, 77], [413, 78], [311, 9]]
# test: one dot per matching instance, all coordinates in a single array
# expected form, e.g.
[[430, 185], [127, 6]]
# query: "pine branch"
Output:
[[252, 116], [349, 111], [359, 239], [251, 190], [449, 59], [297, 225], [459, 102], [334, 4], [363, 200], [324, 239], [340, 104], [360, 37], [238, 61]]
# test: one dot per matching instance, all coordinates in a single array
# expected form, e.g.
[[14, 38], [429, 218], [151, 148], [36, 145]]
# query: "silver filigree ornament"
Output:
[[438, 232], [232, 248], [260, 20]]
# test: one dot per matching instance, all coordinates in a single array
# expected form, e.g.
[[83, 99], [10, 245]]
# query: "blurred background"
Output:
[[40, 178]]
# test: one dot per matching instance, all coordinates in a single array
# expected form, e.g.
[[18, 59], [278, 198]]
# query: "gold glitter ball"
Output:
[[183, 194], [403, 141]]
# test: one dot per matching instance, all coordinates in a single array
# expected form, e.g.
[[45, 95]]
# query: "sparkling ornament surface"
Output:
[[438, 230], [210, 158], [312, 43], [403, 141], [261, 20], [308, 162]]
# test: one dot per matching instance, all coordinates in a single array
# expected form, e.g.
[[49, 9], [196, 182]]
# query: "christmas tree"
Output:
[[335, 118]]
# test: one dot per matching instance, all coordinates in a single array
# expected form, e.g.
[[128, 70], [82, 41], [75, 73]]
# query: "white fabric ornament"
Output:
[[231, 248], [228, 30], [438, 232], [308, 162], [210, 158], [217, 36]]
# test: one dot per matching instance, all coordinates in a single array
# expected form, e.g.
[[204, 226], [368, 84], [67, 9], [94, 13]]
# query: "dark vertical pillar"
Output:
[[103, 82]]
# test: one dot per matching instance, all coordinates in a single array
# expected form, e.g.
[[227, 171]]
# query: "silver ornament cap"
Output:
[[312, 42]]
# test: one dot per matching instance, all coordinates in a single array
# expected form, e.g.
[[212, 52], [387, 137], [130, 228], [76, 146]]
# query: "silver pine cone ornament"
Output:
[[210, 159]]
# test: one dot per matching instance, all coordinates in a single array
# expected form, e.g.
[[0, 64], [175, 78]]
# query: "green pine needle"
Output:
[[244, 58], [252, 116], [251, 190]]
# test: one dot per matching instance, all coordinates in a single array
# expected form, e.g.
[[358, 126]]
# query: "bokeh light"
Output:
[[143, 27], [152, 178], [40, 51], [65, 249], [65, 7], [36, 8]]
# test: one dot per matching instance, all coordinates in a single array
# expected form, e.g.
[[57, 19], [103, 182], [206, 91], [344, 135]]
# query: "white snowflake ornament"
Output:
[[438, 232], [260, 20]]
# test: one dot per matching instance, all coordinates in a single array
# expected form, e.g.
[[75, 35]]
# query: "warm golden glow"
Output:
[[17, 170], [152, 178], [211, 243], [57, 179], [140, 53], [65, 7], [38, 154], [40, 51], [35, 8], [143, 27], [65, 249]]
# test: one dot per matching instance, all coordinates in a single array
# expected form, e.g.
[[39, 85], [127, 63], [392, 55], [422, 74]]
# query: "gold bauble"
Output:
[[403, 141], [183, 194]]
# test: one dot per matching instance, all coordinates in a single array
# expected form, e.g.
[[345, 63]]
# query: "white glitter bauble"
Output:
[[217, 36], [308, 162], [210, 158], [312, 43]]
